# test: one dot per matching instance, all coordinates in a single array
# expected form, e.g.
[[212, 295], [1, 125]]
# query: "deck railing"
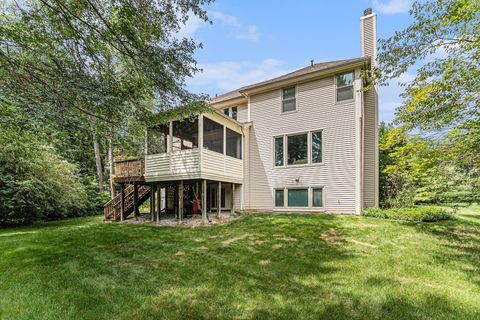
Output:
[[130, 168]]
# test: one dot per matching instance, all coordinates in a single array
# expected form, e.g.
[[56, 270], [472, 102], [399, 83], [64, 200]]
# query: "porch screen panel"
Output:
[[157, 139], [212, 135], [234, 144], [185, 134]]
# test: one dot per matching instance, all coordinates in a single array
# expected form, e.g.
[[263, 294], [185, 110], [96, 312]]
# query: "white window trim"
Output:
[[296, 100], [309, 149], [309, 207], [336, 87], [230, 111]]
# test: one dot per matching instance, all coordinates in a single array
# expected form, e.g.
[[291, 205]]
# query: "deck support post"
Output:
[[232, 210], [180, 201], [204, 201], [159, 201], [135, 200], [122, 201], [152, 202], [219, 199]]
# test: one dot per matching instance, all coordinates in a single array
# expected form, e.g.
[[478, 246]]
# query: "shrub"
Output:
[[417, 213], [35, 183]]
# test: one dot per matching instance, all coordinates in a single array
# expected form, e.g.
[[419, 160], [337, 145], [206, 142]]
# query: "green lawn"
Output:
[[261, 266]]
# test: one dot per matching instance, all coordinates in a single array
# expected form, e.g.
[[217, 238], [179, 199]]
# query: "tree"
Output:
[[417, 169], [97, 65], [444, 38]]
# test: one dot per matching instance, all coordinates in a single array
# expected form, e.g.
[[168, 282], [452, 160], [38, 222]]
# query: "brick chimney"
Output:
[[368, 34]]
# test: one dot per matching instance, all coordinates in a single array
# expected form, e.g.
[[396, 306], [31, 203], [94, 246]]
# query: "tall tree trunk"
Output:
[[96, 150], [111, 165]]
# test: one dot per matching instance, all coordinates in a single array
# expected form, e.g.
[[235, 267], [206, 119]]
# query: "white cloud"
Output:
[[191, 26], [248, 33], [392, 6], [229, 75], [240, 32], [225, 18], [251, 34]]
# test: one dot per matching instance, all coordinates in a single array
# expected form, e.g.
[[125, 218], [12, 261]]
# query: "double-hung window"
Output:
[[289, 102], [317, 147], [344, 86]]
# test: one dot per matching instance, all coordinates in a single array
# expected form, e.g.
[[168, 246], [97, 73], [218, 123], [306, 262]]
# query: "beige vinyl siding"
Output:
[[370, 150], [242, 115], [316, 110], [368, 39]]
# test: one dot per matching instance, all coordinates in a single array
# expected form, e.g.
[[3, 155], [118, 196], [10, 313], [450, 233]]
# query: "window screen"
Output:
[[212, 135], [279, 151], [157, 139], [185, 134], [288, 99], [345, 86], [298, 197], [317, 147], [279, 198], [226, 111], [297, 149], [235, 112], [234, 144]]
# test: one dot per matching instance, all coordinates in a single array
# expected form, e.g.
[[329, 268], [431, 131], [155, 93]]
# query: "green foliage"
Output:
[[417, 213], [415, 169], [36, 184], [444, 38], [118, 62]]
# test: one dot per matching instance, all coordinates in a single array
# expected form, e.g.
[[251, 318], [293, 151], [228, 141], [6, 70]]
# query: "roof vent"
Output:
[[367, 12], [311, 63]]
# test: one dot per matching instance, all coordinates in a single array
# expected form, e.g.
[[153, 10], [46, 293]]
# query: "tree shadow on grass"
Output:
[[460, 244], [277, 268]]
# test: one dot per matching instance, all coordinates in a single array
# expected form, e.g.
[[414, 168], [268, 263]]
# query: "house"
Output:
[[305, 141]]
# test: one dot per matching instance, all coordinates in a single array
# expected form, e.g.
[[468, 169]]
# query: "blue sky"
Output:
[[250, 41]]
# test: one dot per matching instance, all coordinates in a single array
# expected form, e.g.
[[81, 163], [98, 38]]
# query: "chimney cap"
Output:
[[367, 12]]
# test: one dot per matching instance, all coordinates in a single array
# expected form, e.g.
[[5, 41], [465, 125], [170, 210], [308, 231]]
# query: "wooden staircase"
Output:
[[112, 209]]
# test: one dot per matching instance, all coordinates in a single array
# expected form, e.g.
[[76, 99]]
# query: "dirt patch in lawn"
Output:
[[332, 236], [284, 238], [264, 262], [232, 240], [362, 243]]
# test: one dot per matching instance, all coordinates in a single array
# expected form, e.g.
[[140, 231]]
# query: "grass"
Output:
[[263, 266]]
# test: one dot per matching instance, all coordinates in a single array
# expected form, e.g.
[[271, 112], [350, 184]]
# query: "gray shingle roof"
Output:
[[317, 67]]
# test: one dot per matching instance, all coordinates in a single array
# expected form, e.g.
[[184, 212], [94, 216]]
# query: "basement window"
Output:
[[344, 86], [298, 197], [279, 198]]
